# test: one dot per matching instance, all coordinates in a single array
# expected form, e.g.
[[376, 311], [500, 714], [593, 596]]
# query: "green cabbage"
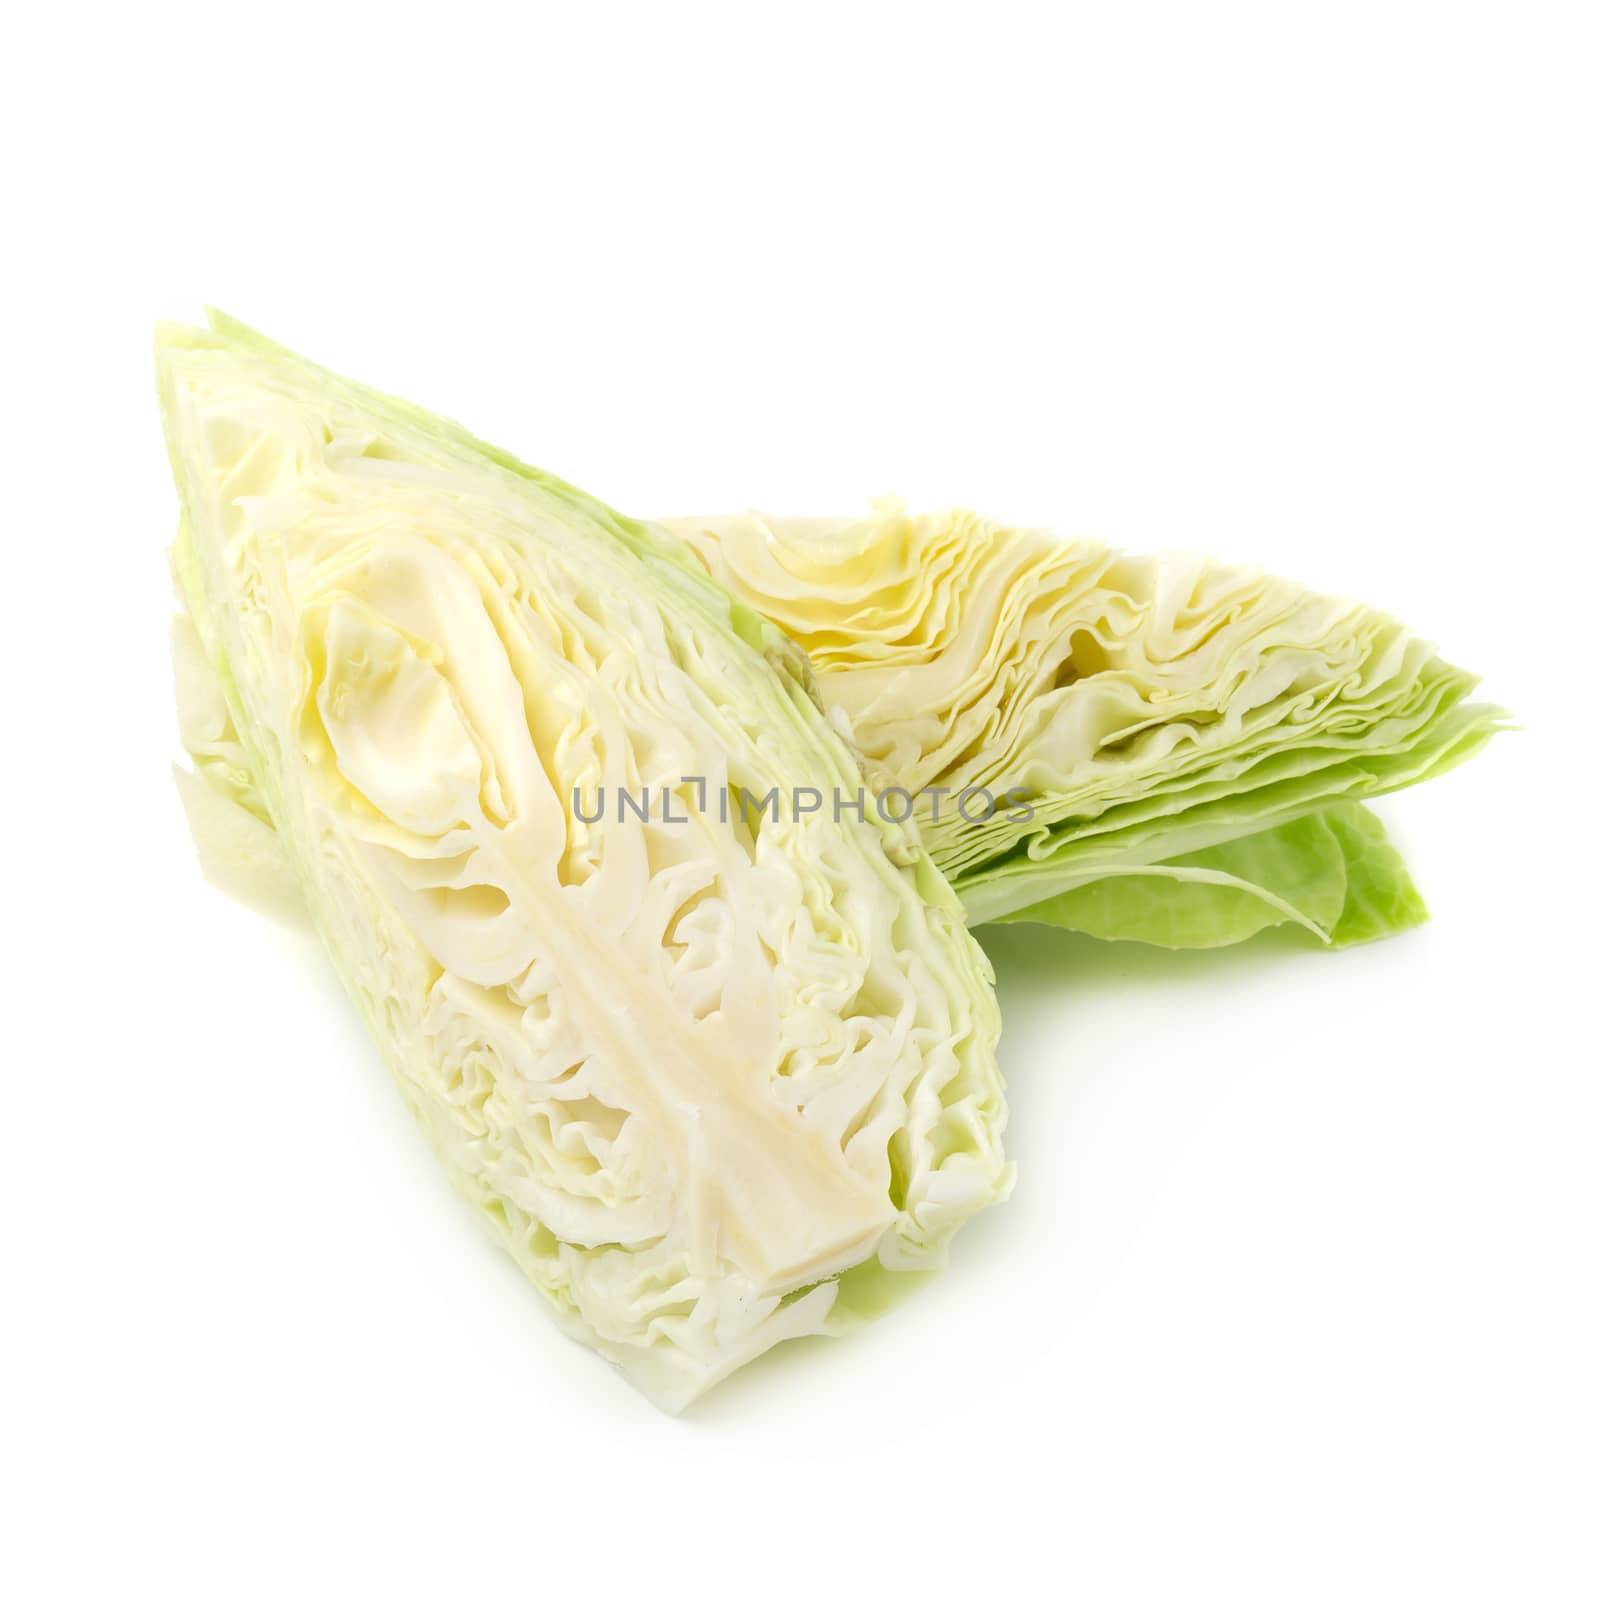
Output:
[[713, 1082], [1184, 744]]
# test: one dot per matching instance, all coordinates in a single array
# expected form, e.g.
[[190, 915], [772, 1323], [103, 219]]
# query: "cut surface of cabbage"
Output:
[[713, 1082], [1166, 727]]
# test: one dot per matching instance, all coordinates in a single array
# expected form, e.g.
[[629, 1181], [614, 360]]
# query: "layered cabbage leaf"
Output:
[[715, 1077], [1160, 748]]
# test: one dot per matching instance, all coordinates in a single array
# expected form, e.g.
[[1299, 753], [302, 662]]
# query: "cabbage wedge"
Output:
[[1155, 748], [714, 1081]]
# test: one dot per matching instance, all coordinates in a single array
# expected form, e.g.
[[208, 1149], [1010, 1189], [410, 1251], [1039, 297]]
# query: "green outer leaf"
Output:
[[1380, 898], [1333, 873]]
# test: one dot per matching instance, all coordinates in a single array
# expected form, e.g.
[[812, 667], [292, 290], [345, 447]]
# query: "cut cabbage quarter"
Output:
[[715, 1081], [1159, 737]]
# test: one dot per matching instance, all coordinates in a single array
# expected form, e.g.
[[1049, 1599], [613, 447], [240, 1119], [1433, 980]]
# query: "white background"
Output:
[[1297, 1293]]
